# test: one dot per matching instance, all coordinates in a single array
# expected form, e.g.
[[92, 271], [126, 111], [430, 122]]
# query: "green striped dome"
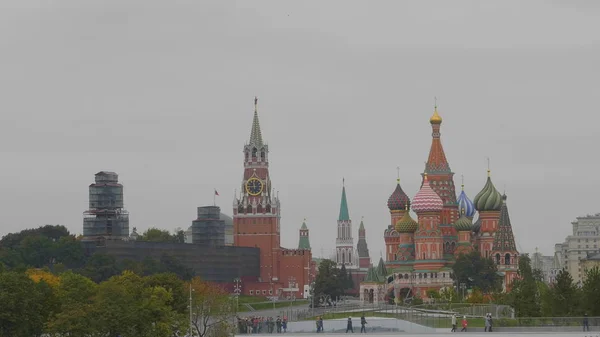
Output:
[[463, 224], [406, 224], [489, 199]]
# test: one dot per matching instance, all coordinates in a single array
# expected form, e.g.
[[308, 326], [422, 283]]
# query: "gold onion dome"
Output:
[[406, 224], [436, 118]]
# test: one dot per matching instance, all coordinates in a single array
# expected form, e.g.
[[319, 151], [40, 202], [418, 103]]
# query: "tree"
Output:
[[328, 281], [477, 272], [448, 294], [564, 296], [476, 296], [125, 306], [156, 235], [345, 279], [591, 292], [22, 313], [212, 308], [524, 296], [75, 294]]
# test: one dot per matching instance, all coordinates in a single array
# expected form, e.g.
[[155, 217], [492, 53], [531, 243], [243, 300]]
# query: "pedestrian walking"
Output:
[[349, 326], [363, 322], [453, 323], [486, 322], [491, 322], [586, 323], [464, 324]]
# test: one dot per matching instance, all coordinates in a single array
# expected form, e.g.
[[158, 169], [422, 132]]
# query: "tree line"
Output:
[[37, 302], [53, 247], [529, 295]]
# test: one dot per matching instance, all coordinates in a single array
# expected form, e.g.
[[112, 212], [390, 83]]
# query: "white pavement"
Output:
[[470, 334]]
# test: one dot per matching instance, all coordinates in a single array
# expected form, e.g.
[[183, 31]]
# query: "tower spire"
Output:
[[255, 134], [436, 162], [344, 214]]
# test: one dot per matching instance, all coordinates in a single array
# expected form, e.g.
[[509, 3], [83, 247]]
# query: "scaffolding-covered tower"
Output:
[[106, 217], [208, 229]]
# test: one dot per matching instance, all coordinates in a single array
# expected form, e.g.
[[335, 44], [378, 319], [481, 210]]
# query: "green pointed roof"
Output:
[[381, 271], [304, 225], [362, 226], [344, 215], [304, 241], [255, 134]]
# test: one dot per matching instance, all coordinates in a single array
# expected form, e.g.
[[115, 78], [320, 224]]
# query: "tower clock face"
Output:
[[254, 186]]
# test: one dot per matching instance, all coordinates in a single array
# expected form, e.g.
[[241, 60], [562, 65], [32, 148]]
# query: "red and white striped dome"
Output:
[[426, 199]]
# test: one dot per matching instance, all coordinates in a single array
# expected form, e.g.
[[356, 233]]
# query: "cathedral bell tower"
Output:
[[256, 215]]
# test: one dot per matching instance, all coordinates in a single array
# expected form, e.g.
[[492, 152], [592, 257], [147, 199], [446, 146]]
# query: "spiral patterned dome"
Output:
[[426, 199], [489, 199], [398, 200], [406, 224], [464, 203], [463, 223]]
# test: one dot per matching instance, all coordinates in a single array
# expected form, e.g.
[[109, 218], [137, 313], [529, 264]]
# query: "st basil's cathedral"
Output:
[[420, 253]]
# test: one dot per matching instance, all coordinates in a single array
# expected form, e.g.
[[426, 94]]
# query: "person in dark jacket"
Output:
[[586, 323], [349, 326], [363, 322]]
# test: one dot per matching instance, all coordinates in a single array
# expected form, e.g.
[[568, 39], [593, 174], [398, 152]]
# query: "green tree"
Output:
[[477, 272], [125, 306], [75, 294], [156, 235], [565, 296], [591, 292], [345, 279], [100, 267], [524, 296], [328, 281], [22, 313]]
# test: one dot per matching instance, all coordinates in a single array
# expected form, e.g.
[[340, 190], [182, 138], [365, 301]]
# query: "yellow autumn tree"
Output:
[[38, 275]]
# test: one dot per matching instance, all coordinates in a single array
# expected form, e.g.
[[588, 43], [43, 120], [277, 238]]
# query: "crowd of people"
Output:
[[259, 324]]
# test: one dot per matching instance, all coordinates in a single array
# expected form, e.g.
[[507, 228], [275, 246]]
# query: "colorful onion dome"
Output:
[[436, 118], [426, 199], [406, 224], [398, 200], [464, 203], [489, 199], [463, 223]]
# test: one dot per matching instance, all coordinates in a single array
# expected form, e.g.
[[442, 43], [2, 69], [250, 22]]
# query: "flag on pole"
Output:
[[216, 193]]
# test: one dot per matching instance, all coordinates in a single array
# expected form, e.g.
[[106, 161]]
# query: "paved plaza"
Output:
[[470, 334]]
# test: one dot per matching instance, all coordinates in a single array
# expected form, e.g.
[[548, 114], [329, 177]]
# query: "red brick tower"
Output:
[[364, 260], [256, 212], [440, 176], [488, 203], [429, 254]]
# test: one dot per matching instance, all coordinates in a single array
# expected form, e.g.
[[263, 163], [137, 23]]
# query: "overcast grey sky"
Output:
[[162, 93]]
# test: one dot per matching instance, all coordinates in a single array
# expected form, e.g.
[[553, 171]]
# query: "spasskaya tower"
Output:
[[256, 214]]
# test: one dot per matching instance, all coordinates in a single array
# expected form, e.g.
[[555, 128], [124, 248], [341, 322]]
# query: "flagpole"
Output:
[[215, 198]]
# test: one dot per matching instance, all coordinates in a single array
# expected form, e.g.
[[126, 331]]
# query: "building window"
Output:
[[265, 292], [270, 292], [251, 292]]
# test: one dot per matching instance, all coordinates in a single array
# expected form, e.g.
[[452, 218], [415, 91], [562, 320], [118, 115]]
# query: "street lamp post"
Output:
[[237, 290], [463, 286], [191, 319]]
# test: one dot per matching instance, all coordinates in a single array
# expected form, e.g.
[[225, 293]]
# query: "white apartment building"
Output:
[[584, 240], [544, 264]]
